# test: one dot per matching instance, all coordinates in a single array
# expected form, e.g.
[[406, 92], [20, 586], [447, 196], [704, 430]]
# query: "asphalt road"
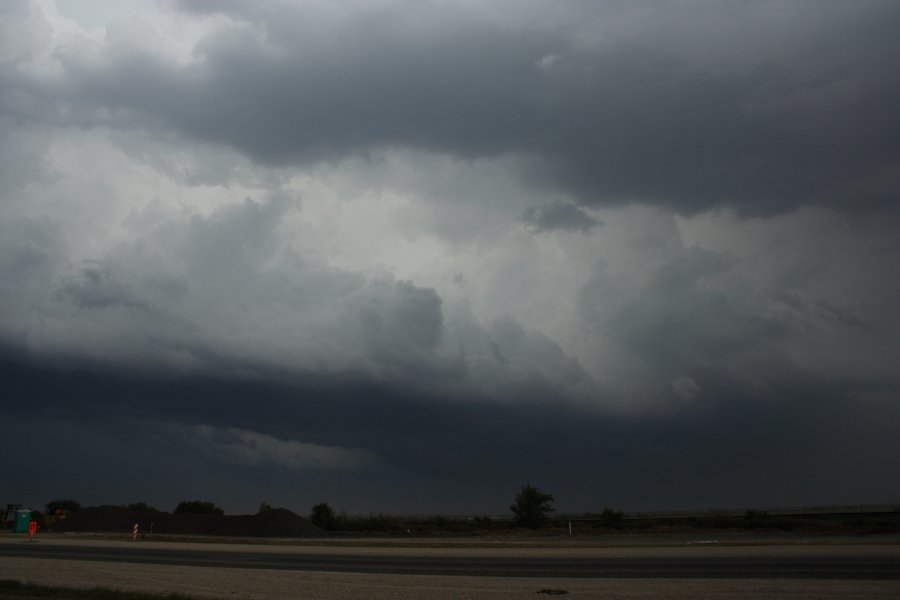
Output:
[[878, 563]]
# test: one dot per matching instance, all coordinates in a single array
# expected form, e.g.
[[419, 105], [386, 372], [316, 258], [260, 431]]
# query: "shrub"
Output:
[[609, 516]]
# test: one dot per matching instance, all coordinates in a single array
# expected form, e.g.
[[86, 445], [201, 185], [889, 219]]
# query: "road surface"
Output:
[[869, 562]]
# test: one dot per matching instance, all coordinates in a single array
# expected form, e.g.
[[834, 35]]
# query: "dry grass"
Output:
[[13, 589]]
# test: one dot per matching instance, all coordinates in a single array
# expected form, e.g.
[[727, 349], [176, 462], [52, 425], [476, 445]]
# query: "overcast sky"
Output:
[[405, 256]]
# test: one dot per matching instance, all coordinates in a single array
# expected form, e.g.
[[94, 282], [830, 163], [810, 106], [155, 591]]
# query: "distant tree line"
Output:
[[532, 508], [65, 505]]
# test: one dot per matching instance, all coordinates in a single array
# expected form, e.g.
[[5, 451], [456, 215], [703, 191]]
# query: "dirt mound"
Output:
[[276, 522], [98, 518]]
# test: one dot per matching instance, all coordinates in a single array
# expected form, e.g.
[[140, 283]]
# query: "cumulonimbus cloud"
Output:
[[622, 116]]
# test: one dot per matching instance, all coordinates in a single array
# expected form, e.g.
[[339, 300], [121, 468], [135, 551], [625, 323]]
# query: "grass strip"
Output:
[[11, 588]]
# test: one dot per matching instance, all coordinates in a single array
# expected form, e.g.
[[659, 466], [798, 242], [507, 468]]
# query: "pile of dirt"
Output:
[[98, 518], [276, 522]]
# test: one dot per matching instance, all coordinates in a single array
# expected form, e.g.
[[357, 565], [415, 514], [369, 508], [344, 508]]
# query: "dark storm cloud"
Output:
[[411, 321], [656, 111], [746, 448], [94, 287], [700, 323], [161, 326], [559, 215]]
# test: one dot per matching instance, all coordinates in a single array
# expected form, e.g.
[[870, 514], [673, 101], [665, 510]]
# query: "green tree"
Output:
[[141, 507], [198, 507], [611, 516], [532, 506], [323, 516], [66, 504], [38, 516], [263, 507]]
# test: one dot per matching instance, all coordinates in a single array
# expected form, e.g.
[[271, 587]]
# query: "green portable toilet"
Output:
[[23, 518]]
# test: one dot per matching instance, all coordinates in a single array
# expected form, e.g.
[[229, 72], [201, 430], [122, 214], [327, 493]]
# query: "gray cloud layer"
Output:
[[707, 105], [432, 250]]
